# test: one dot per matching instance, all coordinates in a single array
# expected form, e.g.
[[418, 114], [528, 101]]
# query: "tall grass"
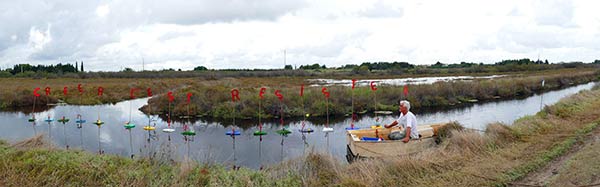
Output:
[[211, 97], [17, 93], [215, 100]]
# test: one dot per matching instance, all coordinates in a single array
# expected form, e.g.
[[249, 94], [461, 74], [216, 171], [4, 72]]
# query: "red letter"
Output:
[[325, 92], [149, 91], [65, 90], [302, 90], [100, 91], [171, 98], [373, 86], [278, 94], [35, 92], [47, 90], [79, 88], [189, 97], [353, 83], [235, 95], [405, 90], [131, 93], [262, 92]]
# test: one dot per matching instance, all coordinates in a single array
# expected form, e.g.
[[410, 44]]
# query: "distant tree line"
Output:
[[365, 68]]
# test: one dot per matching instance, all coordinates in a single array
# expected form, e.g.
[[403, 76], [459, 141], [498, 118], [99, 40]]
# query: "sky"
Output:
[[109, 35]]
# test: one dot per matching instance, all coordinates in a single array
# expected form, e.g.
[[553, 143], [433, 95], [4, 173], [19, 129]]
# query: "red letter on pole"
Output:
[[131, 93], [47, 90], [35, 90], [278, 94], [262, 92], [235, 95], [171, 98], [325, 92], [373, 87], [189, 97]]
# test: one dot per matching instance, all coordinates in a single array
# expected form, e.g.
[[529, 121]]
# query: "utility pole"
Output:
[[284, 59], [143, 64]]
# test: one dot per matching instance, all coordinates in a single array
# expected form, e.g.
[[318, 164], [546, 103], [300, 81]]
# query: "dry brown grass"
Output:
[[501, 133], [466, 158], [38, 141]]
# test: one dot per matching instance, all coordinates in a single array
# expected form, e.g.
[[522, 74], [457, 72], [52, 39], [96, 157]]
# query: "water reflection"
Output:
[[211, 145], [397, 82]]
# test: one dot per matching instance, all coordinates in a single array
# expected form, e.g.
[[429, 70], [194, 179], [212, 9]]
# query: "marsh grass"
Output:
[[215, 100], [212, 98]]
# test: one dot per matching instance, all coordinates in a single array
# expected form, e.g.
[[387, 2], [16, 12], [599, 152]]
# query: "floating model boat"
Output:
[[149, 128], [233, 132], [327, 129], [259, 133], [129, 125], [307, 130], [99, 122], [284, 131], [188, 133], [63, 120]]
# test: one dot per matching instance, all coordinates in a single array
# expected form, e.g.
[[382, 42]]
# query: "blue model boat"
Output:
[[233, 133]]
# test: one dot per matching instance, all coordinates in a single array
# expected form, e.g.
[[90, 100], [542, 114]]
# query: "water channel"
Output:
[[211, 145]]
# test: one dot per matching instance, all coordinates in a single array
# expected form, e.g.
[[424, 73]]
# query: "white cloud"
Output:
[[38, 39], [102, 10]]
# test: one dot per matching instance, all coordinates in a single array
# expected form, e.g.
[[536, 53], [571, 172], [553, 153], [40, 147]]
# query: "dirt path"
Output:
[[545, 174]]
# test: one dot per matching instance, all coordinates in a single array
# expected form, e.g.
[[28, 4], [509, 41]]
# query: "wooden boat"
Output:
[[369, 143]]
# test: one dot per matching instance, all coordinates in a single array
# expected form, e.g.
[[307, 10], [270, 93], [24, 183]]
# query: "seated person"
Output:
[[409, 124]]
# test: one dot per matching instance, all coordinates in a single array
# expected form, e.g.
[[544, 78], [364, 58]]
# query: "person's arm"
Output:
[[410, 126], [407, 136], [391, 125]]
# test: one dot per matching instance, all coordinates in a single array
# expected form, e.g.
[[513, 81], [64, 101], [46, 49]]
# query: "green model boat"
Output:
[[63, 120], [129, 125], [259, 133], [284, 131]]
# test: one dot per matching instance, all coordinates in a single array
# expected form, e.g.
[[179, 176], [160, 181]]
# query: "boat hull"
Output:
[[357, 148]]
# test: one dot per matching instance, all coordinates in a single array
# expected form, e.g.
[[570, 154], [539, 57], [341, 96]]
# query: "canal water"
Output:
[[211, 145]]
